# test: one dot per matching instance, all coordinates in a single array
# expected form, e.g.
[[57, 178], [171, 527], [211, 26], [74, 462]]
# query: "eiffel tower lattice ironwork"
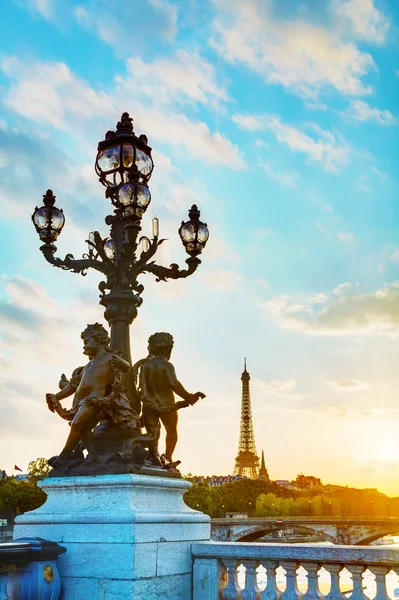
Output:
[[247, 460]]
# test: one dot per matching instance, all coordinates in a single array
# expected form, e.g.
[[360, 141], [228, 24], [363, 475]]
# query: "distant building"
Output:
[[283, 483], [306, 482], [263, 474], [236, 515], [3, 475], [215, 480], [21, 477]]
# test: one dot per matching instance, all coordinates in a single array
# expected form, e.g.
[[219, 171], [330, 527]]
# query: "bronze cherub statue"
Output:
[[98, 393], [102, 419], [157, 384]]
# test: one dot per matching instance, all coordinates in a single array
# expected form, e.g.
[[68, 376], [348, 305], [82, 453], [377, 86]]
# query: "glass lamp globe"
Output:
[[135, 198], [194, 234], [122, 154], [48, 220]]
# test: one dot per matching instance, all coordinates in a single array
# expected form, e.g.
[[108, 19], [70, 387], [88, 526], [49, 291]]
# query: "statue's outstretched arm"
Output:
[[67, 391], [67, 387], [175, 384]]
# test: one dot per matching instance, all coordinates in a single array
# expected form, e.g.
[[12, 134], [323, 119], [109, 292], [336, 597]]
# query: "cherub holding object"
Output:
[[157, 385]]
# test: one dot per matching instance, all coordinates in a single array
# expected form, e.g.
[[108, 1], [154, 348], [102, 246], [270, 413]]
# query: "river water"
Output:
[[369, 585]]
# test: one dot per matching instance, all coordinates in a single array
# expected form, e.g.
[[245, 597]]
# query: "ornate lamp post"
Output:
[[124, 166]]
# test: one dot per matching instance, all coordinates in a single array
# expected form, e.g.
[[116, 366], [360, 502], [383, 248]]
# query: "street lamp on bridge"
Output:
[[371, 508], [124, 166]]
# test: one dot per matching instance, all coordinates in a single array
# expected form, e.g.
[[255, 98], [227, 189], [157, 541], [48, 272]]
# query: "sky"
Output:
[[280, 121]]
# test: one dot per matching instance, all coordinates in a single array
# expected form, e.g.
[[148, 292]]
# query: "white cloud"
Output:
[[319, 145], [183, 76], [44, 8], [347, 385], [185, 135], [361, 111], [347, 311], [379, 173], [50, 93], [249, 122], [303, 57], [363, 18], [277, 387], [345, 236], [222, 278], [125, 25], [285, 178], [395, 255], [362, 183]]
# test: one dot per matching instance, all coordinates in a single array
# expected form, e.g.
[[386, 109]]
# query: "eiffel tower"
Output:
[[247, 460]]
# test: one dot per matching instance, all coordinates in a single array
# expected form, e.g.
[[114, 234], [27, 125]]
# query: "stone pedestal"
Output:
[[127, 536]]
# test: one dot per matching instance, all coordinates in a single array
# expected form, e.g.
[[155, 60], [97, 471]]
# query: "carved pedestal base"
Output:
[[127, 536], [112, 451]]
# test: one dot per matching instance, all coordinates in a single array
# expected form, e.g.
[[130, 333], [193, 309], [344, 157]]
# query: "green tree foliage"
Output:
[[236, 496], [266, 499], [38, 469], [270, 505], [17, 497]]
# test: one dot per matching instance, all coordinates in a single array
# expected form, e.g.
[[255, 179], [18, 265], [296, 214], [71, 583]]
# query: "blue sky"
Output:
[[279, 119]]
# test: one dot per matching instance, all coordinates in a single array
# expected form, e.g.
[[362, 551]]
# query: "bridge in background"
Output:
[[356, 531]]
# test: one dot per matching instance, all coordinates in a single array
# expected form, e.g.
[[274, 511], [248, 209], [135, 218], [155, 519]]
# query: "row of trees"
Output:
[[257, 498], [266, 499], [270, 505]]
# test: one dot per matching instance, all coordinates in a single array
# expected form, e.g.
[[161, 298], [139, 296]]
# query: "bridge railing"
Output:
[[243, 571], [310, 518]]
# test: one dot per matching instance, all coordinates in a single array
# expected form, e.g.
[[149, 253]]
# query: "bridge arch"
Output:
[[254, 533], [376, 536]]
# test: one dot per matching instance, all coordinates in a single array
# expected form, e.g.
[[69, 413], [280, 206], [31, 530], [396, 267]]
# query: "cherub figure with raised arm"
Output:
[[98, 392]]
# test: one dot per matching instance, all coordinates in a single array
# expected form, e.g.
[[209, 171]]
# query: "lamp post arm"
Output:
[[172, 272], [70, 264], [145, 256]]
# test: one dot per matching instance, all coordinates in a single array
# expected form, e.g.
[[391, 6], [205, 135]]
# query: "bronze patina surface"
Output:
[[105, 431], [105, 418], [158, 384]]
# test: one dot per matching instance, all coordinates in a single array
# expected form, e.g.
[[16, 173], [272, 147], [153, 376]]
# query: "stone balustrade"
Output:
[[247, 571]]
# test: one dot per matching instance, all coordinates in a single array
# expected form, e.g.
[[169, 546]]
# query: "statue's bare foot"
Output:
[[155, 459], [167, 463]]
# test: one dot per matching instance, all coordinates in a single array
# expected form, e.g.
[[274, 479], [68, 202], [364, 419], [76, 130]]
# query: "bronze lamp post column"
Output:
[[124, 166]]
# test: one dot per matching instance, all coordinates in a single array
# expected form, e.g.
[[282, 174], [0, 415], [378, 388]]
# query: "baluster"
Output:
[[291, 592], [271, 591], [251, 589], [380, 573], [356, 573], [222, 576], [335, 590], [313, 591], [232, 589]]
